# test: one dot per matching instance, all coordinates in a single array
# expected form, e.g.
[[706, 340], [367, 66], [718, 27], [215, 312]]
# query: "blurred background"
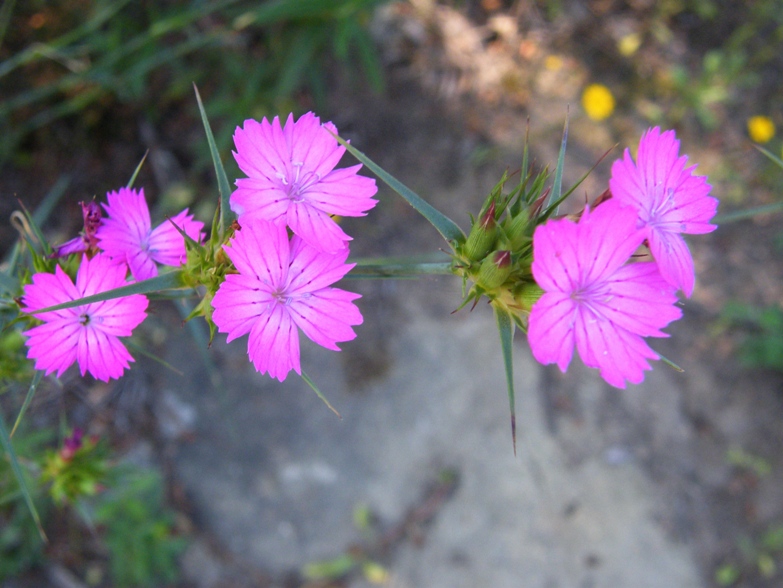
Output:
[[199, 472]]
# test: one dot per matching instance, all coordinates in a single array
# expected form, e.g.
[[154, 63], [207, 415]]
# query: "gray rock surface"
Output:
[[276, 476]]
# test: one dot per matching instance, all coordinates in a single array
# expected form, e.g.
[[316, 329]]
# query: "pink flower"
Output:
[[280, 286], [85, 334], [126, 235], [668, 199], [594, 299], [292, 180]]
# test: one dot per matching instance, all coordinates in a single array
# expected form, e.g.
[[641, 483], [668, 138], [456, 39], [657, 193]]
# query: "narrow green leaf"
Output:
[[30, 393], [137, 170], [506, 329], [141, 351], [220, 172], [671, 364], [5, 440], [731, 217], [771, 155], [399, 270], [445, 226], [168, 280], [557, 186], [310, 383]]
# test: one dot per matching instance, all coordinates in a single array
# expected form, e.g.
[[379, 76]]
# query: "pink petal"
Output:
[[141, 266], [316, 227], [344, 192], [166, 244], [254, 198], [53, 345], [128, 223], [313, 147], [261, 249], [550, 331], [619, 355], [607, 238], [273, 345], [326, 316], [311, 269], [238, 304], [256, 154], [640, 300], [674, 260], [555, 261]]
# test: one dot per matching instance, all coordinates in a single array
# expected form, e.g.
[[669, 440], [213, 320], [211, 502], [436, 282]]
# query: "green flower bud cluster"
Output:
[[496, 256], [205, 269]]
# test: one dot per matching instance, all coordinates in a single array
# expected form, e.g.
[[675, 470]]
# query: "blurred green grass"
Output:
[[77, 60]]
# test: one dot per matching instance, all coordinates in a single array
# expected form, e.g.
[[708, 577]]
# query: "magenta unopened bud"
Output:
[[86, 242], [92, 217], [72, 444]]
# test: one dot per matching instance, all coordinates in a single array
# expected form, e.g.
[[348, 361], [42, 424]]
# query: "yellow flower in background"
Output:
[[761, 128], [598, 102], [629, 44]]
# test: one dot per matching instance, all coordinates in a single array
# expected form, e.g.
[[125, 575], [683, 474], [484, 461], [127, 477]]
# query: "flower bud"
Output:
[[517, 230], [494, 270], [482, 236], [528, 294]]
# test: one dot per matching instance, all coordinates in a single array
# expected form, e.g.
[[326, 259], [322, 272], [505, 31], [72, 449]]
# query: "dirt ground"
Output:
[[461, 85]]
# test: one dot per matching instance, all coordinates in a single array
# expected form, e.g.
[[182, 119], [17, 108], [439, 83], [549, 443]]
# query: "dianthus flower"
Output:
[[85, 334], [593, 299], [669, 200], [127, 235], [291, 179], [282, 285]]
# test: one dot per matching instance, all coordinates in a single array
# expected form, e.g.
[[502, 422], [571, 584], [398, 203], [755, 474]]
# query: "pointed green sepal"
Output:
[[506, 330], [220, 171]]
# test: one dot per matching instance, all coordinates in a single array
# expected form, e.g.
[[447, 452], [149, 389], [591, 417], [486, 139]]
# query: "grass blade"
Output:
[[30, 393], [162, 282], [445, 226], [310, 383], [506, 329], [5, 440], [137, 170], [220, 171], [771, 155], [557, 186]]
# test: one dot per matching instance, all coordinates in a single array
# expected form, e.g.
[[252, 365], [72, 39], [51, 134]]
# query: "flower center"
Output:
[[282, 297], [296, 186], [84, 319], [662, 203]]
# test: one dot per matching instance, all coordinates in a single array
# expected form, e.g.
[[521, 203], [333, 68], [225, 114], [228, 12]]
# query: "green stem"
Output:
[[369, 269]]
